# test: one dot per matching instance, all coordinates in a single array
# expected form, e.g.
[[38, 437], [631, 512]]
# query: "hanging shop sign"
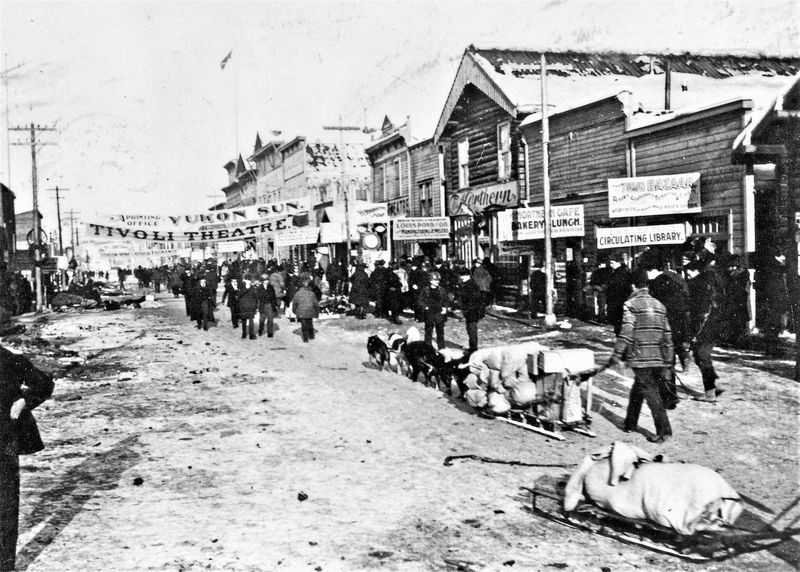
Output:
[[422, 228], [661, 195], [528, 223], [477, 199], [365, 212], [625, 237], [195, 221], [232, 246], [246, 229], [296, 236]]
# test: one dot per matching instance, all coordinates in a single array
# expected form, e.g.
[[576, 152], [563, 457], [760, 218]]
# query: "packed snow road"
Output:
[[171, 448]]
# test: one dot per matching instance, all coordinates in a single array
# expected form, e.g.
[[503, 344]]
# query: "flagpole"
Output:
[[236, 107]]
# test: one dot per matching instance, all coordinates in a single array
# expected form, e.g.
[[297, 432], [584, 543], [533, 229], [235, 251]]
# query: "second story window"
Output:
[[503, 151], [398, 178], [463, 163], [425, 199]]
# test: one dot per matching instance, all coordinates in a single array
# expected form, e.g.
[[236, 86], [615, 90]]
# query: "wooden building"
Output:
[[406, 177], [612, 116]]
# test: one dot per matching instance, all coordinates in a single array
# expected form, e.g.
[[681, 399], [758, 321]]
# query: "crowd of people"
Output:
[[257, 291]]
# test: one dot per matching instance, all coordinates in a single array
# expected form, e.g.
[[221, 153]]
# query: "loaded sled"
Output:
[[563, 400], [548, 498]]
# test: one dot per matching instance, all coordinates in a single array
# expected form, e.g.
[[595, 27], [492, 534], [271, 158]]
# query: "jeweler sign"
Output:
[[528, 223], [625, 237], [661, 195], [422, 228]]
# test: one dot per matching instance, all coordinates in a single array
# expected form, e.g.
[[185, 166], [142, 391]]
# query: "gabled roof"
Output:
[[785, 100], [511, 78]]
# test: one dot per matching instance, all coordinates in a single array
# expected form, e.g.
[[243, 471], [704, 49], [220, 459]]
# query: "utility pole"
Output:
[[345, 186], [62, 273], [550, 317], [58, 214], [4, 74], [36, 229]]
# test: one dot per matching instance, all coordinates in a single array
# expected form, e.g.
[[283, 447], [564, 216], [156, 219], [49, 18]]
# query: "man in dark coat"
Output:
[[434, 303], [187, 284], [418, 280], [671, 290], [333, 274], [619, 288], [205, 294], [394, 295], [359, 291], [737, 300], [379, 280], [538, 288], [472, 307], [267, 305], [770, 282], [231, 294], [705, 319], [248, 304], [483, 278], [22, 388], [306, 307]]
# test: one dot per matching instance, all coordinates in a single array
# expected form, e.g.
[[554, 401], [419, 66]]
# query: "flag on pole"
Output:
[[224, 62]]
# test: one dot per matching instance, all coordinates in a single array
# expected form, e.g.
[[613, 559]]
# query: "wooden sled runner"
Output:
[[564, 398], [547, 501]]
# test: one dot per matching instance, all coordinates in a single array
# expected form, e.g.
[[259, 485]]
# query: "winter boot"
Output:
[[709, 396]]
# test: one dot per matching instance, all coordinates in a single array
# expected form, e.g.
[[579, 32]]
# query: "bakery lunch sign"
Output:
[[659, 195]]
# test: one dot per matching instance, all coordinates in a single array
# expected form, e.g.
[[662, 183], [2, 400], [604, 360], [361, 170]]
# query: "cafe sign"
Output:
[[528, 223], [477, 199], [625, 237], [660, 195], [422, 228]]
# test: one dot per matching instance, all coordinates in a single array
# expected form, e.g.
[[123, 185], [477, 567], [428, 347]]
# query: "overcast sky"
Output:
[[145, 117]]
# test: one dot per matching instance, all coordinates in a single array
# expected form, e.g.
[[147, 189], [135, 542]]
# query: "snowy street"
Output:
[[170, 448]]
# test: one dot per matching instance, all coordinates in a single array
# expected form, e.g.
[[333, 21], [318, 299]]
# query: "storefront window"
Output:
[[503, 151], [463, 163]]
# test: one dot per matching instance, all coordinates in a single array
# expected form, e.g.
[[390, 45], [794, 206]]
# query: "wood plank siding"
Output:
[[425, 169], [587, 147], [476, 118], [703, 146]]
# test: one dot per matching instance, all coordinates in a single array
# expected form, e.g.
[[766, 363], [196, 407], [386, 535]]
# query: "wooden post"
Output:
[[550, 317]]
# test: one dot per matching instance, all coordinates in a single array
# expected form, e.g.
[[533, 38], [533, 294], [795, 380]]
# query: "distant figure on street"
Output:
[[471, 306], [359, 291], [433, 302], [22, 388], [248, 305], [538, 288], [482, 277], [599, 284], [619, 287], [706, 319], [231, 295], [306, 307]]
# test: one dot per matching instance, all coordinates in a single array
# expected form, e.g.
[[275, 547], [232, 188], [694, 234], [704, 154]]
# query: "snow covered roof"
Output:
[[511, 78]]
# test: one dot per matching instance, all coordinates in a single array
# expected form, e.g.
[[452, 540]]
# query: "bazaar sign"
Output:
[[661, 195], [477, 199], [195, 221], [625, 237], [296, 236], [423, 228], [528, 223], [244, 230]]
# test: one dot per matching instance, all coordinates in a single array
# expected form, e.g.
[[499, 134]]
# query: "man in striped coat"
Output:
[[645, 343]]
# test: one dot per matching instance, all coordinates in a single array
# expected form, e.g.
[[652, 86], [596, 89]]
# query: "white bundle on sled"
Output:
[[499, 378], [684, 497]]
